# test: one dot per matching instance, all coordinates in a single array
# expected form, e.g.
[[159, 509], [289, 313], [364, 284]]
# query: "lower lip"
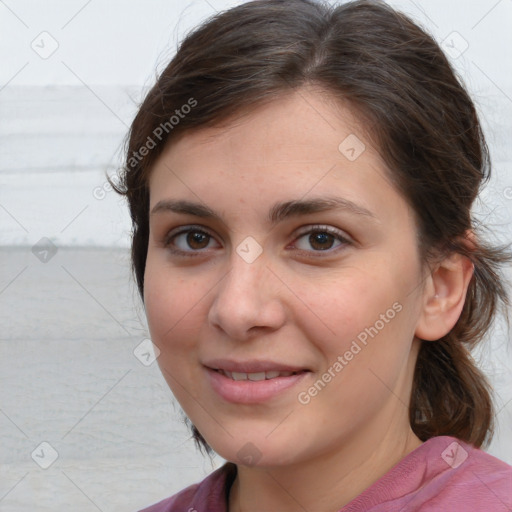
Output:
[[249, 391]]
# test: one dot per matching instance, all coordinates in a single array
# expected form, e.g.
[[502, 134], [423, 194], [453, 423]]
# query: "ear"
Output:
[[444, 296]]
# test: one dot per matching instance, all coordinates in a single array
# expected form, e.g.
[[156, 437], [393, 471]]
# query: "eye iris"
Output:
[[197, 240], [321, 241]]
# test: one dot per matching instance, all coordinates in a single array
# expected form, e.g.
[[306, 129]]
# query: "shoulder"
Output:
[[208, 495], [472, 477], [444, 473]]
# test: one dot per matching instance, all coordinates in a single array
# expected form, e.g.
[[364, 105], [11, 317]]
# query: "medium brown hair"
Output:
[[417, 113]]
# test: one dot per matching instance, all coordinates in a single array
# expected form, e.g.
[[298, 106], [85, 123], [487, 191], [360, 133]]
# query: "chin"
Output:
[[255, 449]]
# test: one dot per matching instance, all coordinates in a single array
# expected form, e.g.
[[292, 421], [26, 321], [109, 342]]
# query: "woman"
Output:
[[300, 181]]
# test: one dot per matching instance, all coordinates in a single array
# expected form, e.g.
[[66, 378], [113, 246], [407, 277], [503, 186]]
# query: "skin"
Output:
[[294, 303]]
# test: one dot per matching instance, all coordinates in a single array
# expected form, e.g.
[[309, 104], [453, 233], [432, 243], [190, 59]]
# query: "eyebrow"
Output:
[[278, 212]]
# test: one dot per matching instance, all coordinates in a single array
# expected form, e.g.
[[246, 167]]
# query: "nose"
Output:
[[248, 300]]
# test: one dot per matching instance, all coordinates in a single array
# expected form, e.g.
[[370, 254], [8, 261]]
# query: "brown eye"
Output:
[[191, 240], [321, 241], [321, 238], [197, 239]]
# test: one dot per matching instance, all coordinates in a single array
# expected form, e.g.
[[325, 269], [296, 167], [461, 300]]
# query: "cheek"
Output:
[[375, 330], [365, 316], [344, 305], [175, 314], [171, 303]]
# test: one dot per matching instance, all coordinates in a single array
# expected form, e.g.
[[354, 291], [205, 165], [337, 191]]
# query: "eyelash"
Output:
[[344, 241]]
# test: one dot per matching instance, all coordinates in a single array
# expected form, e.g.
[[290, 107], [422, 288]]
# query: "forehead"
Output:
[[305, 125], [303, 143]]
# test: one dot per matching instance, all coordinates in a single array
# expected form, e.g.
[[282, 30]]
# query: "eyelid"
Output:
[[344, 240], [302, 231], [340, 235], [173, 233], [183, 229], [323, 228]]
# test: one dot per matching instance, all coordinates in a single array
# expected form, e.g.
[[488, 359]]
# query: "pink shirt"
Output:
[[442, 475]]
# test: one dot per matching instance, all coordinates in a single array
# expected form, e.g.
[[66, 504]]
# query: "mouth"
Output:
[[252, 382], [257, 376]]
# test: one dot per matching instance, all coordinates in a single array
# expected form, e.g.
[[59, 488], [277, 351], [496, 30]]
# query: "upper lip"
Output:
[[253, 366]]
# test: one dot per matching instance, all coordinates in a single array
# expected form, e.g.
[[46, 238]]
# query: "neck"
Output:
[[329, 481]]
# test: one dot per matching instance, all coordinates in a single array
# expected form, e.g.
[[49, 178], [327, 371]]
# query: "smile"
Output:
[[257, 376], [252, 382]]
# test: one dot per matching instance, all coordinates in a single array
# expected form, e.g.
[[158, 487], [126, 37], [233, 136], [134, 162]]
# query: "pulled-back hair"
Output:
[[417, 114]]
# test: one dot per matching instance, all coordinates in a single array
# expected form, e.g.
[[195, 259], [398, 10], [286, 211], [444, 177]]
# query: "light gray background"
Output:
[[69, 376]]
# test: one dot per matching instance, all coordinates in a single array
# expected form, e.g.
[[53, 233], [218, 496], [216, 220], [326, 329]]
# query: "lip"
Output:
[[251, 366], [247, 391]]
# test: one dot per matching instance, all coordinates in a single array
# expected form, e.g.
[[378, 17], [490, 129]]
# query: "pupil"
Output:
[[321, 241], [197, 240]]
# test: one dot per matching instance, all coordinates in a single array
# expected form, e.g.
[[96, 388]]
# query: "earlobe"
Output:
[[444, 297]]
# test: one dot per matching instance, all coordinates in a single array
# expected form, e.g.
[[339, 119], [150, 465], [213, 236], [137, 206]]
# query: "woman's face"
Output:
[[283, 283]]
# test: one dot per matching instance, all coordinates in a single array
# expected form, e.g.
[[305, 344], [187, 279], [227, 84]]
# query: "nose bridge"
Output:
[[244, 284], [244, 298]]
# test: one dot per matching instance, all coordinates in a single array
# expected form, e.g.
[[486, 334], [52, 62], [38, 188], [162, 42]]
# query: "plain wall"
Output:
[[63, 118], [71, 327]]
